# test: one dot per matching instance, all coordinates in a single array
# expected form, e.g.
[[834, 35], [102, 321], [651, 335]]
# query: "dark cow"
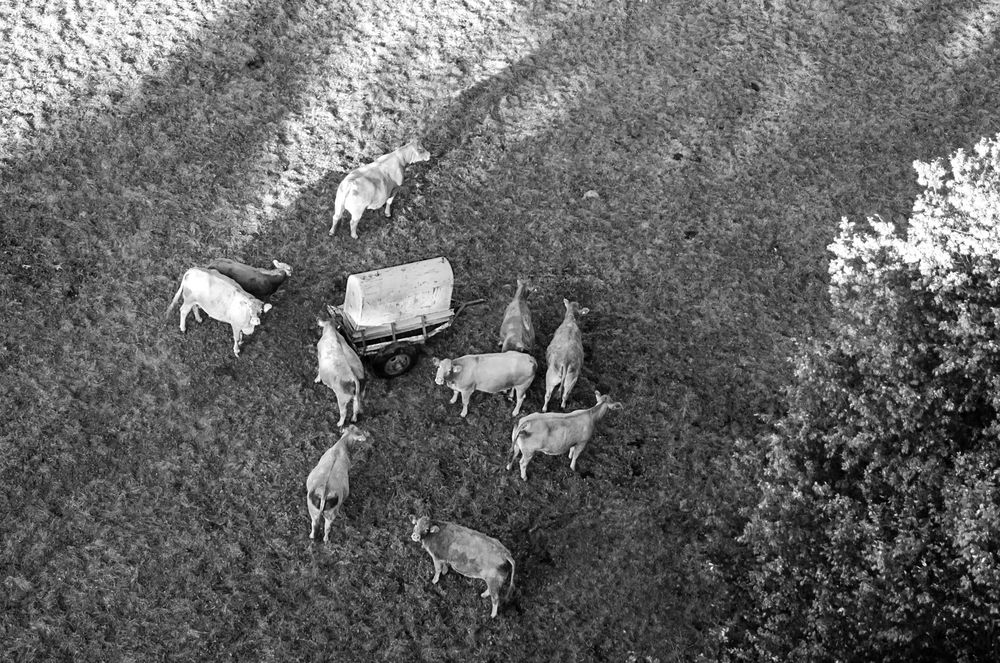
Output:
[[261, 283]]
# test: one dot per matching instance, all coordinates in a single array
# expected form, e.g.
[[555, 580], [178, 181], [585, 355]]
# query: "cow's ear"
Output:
[[616, 406], [597, 394], [435, 361], [456, 369], [413, 519], [566, 303], [267, 307], [434, 529], [583, 311]]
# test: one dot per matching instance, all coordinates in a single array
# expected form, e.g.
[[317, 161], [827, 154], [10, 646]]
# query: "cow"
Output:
[[467, 551], [491, 373], [261, 283], [556, 433], [516, 330], [374, 184], [328, 485], [222, 299], [564, 356], [339, 367]]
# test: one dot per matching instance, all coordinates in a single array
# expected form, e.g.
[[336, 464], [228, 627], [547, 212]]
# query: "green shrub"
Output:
[[877, 533]]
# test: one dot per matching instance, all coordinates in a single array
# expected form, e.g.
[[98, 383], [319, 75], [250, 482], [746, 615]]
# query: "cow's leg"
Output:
[[185, 309], [326, 526], [521, 391], [454, 397], [567, 386], [493, 583], [358, 390], [551, 382], [237, 333], [574, 453], [437, 569], [197, 313], [466, 397], [388, 205], [525, 459], [314, 514], [342, 401], [355, 220]]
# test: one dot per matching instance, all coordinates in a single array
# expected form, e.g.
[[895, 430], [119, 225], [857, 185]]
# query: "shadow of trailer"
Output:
[[389, 313]]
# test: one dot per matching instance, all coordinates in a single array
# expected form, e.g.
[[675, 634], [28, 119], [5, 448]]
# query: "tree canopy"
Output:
[[878, 528]]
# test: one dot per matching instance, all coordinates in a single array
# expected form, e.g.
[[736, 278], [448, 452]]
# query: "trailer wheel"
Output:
[[393, 363]]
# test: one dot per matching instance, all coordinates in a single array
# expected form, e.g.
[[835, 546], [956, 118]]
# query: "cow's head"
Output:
[[445, 370], [523, 287], [283, 267], [574, 308], [417, 153], [356, 438], [255, 309], [606, 399], [422, 527]]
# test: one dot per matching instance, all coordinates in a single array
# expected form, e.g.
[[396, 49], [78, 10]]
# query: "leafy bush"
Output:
[[877, 533]]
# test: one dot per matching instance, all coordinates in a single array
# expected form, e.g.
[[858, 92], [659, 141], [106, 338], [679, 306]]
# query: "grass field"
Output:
[[153, 485]]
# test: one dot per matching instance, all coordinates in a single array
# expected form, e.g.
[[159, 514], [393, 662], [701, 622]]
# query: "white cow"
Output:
[[554, 434], [328, 485], [471, 553], [491, 373], [339, 367], [374, 184], [516, 330], [222, 299], [564, 356]]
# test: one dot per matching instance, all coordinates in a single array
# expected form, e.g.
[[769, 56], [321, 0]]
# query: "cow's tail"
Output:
[[338, 204], [518, 429], [176, 298], [510, 587]]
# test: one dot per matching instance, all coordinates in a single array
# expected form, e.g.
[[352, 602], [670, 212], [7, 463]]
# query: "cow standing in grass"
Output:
[[468, 552], [339, 367], [556, 433], [564, 355], [374, 184], [492, 373], [516, 330], [261, 283], [328, 485], [222, 299]]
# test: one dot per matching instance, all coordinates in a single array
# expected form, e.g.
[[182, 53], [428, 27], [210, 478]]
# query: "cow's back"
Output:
[[466, 550], [566, 347], [495, 370], [254, 281], [337, 360], [220, 296], [331, 470]]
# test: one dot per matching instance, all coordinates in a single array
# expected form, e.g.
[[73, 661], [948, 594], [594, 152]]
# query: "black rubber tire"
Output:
[[395, 362]]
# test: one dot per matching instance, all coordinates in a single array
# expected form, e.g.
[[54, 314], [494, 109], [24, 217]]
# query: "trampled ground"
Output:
[[153, 502]]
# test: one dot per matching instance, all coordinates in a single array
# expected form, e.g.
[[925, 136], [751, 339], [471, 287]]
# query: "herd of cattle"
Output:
[[235, 293]]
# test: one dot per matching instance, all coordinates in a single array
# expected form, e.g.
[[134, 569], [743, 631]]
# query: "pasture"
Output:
[[152, 503]]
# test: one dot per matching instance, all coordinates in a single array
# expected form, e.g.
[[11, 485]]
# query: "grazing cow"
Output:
[[469, 552], [564, 355], [339, 368], [491, 373], [554, 433], [221, 298], [328, 485], [516, 330], [261, 283], [374, 184]]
